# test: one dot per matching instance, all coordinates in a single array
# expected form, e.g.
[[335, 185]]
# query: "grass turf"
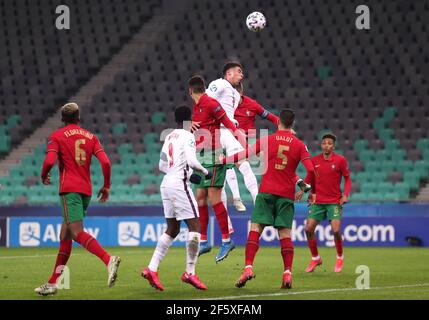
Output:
[[395, 273]]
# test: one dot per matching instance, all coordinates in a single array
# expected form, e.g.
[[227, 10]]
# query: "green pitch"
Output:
[[395, 273]]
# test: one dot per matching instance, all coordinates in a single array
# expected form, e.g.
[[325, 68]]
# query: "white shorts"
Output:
[[229, 142], [179, 204]]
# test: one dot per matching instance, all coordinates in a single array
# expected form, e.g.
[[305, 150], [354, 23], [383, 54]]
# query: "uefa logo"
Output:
[[129, 234], [29, 234]]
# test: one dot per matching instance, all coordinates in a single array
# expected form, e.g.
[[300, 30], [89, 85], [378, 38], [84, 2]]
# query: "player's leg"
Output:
[[317, 214], [66, 244], [231, 179], [203, 209], [225, 204], [63, 256], [249, 178], [335, 215], [192, 250], [150, 273], [221, 213], [232, 146], [75, 206], [283, 221], [262, 215]]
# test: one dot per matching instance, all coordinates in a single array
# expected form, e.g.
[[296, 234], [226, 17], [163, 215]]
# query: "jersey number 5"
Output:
[[80, 154], [282, 156]]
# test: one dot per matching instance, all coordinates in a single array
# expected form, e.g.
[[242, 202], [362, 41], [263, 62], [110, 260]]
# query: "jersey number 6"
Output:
[[80, 154]]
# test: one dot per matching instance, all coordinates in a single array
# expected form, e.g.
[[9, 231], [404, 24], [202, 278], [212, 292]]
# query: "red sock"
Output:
[[312, 244], [62, 258], [92, 245], [204, 221], [252, 247], [287, 253], [339, 246], [222, 219]]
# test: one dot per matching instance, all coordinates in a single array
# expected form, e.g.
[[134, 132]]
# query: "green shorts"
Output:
[[322, 212], [273, 210], [74, 206], [208, 161]]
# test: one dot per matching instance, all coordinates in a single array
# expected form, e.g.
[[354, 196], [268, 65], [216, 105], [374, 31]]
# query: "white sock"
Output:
[[224, 198], [249, 179], [161, 250], [231, 179], [192, 249]]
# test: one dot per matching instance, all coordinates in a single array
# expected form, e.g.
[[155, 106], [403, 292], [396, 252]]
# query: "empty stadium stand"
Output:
[[368, 87]]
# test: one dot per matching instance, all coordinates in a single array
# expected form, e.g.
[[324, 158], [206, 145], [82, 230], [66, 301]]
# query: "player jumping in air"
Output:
[[209, 115], [223, 90], [74, 147], [326, 199], [246, 114], [178, 157], [275, 202]]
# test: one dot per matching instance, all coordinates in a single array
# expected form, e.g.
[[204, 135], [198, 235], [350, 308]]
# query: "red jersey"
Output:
[[75, 147], [283, 152], [328, 178], [246, 113], [208, 112]]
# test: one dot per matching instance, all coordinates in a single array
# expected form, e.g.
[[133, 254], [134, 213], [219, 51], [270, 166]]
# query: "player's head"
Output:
[[196, 85], [70, 113], [233, 72], [182, 114], [287, 118], [328, 143]]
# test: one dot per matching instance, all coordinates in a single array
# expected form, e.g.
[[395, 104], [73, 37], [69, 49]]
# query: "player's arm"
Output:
[[250, 151], [50, 159], [265, 114], [106, 168], [191, 156], [347, 182], [163, 162]]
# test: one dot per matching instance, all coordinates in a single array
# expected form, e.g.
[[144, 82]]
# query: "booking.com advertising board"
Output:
[[145, 231]]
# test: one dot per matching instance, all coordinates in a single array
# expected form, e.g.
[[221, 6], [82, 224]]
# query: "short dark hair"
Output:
[[287, 118], [230, 65], [197, 84], [182, 114], [330, 136], [70, 113]]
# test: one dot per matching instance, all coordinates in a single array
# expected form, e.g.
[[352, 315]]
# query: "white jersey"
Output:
[[178, 158], [226, 95]]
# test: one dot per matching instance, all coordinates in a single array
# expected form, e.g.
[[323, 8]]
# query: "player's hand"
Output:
[[298, 195], [47, 180], [103, 195], [195, 126], [241, 137], [195, 178], [209, 175], [221, 158], [311, 199], [344, 200]]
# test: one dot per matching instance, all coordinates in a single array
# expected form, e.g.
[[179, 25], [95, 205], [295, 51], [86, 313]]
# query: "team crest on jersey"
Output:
[[333, 167], [248, 113]]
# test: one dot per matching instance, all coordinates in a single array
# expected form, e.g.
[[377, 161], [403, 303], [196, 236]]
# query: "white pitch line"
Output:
[[53, 255], [279, 294]]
